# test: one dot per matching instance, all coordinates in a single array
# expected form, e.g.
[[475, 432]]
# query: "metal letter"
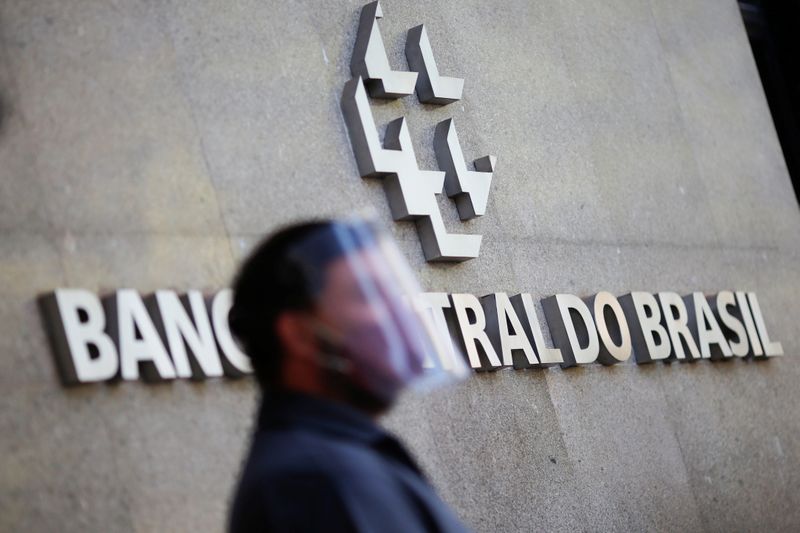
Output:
[[500, 315], [473, 334], [411, 192], [432, 305], [611, 351], [431, 87], [139, 343], [704, 327], [561, 311], [234, 363], [469, 188], [732, 326], [650, 340], [770, 348], [370, 62], [524, 306], [182, 330], [72, 337], [676, 320], [744, 311]]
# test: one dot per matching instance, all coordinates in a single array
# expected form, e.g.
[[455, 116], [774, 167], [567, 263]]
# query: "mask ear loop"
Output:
[[341, 368], [329, 355]]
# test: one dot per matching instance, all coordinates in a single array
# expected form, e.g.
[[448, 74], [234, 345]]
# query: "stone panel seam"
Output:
[[681, 112], [689, 485], [198, 133]]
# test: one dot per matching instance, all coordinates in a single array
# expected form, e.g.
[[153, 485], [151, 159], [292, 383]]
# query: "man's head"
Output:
[[267, 285], [317, 310]]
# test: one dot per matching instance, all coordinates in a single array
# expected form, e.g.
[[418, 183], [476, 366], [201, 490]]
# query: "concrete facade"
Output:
[[150, 144]]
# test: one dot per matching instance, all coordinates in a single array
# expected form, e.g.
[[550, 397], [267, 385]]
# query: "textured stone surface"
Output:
[[151, 144], [494, 449]]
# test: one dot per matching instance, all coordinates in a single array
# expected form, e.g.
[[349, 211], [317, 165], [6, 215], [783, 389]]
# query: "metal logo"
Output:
[[411, 191]]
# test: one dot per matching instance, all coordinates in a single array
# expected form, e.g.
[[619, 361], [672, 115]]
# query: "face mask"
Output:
[[367, 356]]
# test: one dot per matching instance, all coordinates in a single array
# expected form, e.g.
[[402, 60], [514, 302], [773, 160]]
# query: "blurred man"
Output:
[[323, 310]]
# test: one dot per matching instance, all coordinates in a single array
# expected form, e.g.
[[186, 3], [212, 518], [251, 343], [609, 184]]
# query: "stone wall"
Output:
[[150, 144]]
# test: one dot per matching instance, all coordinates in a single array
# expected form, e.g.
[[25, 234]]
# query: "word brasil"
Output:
[[168, 336]]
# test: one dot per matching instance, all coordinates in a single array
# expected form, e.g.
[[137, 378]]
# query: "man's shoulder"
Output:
[[286, 485], [313, 480], [291, 473]]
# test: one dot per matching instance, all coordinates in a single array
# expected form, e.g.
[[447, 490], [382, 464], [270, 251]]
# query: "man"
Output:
[[323, 310]]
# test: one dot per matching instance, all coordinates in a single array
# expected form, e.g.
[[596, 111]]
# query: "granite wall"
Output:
[[150, 144]]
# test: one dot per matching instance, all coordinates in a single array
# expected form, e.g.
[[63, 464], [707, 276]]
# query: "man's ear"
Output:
[[296, 334]]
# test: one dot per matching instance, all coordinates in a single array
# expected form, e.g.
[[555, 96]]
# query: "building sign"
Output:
[[410, 190], [167, 336]]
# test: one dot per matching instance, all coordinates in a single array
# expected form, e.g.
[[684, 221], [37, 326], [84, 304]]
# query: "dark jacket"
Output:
[[320, 466]]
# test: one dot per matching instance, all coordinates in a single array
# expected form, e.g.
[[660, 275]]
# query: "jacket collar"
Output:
[[296, 410], [293, 409]]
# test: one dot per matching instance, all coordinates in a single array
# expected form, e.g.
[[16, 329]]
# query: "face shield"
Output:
[[368, 318]]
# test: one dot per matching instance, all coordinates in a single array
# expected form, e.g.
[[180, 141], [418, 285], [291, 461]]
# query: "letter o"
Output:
[[610, 352]]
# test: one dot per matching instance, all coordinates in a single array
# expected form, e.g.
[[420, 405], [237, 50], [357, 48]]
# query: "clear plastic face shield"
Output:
[[369, 320]]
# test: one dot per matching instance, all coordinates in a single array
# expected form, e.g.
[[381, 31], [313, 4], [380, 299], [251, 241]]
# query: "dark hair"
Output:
[[269, 283]]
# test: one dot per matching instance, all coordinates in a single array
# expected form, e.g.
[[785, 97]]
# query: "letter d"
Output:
[[572, 329]]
